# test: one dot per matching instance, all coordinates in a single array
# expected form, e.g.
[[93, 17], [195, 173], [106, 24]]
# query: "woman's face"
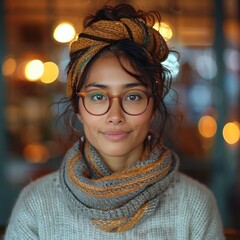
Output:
[[114, 134]]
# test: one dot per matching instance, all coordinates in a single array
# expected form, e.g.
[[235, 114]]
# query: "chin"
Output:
[[113, 152], [119, 149]]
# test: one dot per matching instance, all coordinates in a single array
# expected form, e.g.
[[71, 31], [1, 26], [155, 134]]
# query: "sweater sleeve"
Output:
[[22, 224], [206, 220], [208, 223]]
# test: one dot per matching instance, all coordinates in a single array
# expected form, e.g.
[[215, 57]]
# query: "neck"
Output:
[[117, 163]]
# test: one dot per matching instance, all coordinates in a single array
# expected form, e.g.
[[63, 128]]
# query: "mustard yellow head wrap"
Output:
[[103, 33]]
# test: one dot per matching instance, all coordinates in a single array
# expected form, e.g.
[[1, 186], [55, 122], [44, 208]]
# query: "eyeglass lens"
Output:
[[98, 102]]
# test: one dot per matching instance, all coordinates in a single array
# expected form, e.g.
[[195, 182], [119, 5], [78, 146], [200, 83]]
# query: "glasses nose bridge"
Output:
[[111, 97]]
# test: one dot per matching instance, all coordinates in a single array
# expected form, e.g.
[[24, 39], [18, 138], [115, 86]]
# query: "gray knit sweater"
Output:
[[187, 211]]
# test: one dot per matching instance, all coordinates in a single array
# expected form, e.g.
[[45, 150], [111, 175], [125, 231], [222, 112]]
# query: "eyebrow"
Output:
[[125, 86]]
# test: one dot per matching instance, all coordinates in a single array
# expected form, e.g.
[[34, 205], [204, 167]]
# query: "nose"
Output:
[[115, 115]]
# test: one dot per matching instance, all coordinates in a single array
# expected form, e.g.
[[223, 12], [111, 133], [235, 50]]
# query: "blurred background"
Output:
[[34, 39]]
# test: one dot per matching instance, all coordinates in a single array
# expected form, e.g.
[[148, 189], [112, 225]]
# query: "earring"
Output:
[[149, 141], [149, 137], [81, 143]]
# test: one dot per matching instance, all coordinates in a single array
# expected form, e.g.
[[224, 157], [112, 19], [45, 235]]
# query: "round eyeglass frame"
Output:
[[111, 97]]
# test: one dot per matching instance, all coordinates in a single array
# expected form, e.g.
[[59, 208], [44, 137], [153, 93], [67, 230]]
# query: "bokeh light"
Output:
[[36, 153], [164, 29], [207, 126], [231, 59], [172, 64], [200, 97], [50, 73], [34, 70], [9, 67], [231, 132], [64, 32], [62, 64], [206, 66]]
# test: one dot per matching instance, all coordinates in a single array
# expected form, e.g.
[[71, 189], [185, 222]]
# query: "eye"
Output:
[[97, 96], [134, 96]]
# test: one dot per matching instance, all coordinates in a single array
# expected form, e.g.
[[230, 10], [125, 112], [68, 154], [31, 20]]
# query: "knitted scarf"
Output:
[[116, 201]]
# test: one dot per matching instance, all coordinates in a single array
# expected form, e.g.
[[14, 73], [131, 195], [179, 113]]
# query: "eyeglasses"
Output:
[[98, 102]]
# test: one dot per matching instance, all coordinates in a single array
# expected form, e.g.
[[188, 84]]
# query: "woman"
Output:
[[118, 181]]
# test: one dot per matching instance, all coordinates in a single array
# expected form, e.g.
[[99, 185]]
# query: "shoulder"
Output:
[[195, 197], [192, 188], [36, 201], [45, 182], [199, 201], [198, 207], [40, 189]]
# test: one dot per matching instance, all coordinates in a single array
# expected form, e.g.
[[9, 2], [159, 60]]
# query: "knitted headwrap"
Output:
[[116, 201], [105, 32]]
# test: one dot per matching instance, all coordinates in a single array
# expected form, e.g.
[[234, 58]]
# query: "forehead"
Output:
[[110, 70]]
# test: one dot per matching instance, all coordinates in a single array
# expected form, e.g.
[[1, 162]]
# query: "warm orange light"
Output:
[[231, 132], [9, 67], [34, 70], [164, 29], [64, 32], [207, 126], [50, 73], [36, 153]]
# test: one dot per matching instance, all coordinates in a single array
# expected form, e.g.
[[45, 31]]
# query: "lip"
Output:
[[115, 135]]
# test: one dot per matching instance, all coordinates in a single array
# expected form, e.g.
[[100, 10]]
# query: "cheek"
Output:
[[90, 126], [90, 133], [142, 124]]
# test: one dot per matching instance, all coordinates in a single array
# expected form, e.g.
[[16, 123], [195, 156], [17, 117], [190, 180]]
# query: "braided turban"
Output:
[[103, 33]]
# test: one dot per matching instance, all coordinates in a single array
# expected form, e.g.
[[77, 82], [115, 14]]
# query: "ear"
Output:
[[79, 117]]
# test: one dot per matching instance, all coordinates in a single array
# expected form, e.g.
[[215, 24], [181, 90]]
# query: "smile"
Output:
[[115, 135]]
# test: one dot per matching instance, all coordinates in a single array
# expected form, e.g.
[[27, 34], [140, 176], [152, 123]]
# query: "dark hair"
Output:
[[150, 72]]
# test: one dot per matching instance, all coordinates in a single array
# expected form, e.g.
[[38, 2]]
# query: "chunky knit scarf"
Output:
[[116, 201], [103, 33]]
